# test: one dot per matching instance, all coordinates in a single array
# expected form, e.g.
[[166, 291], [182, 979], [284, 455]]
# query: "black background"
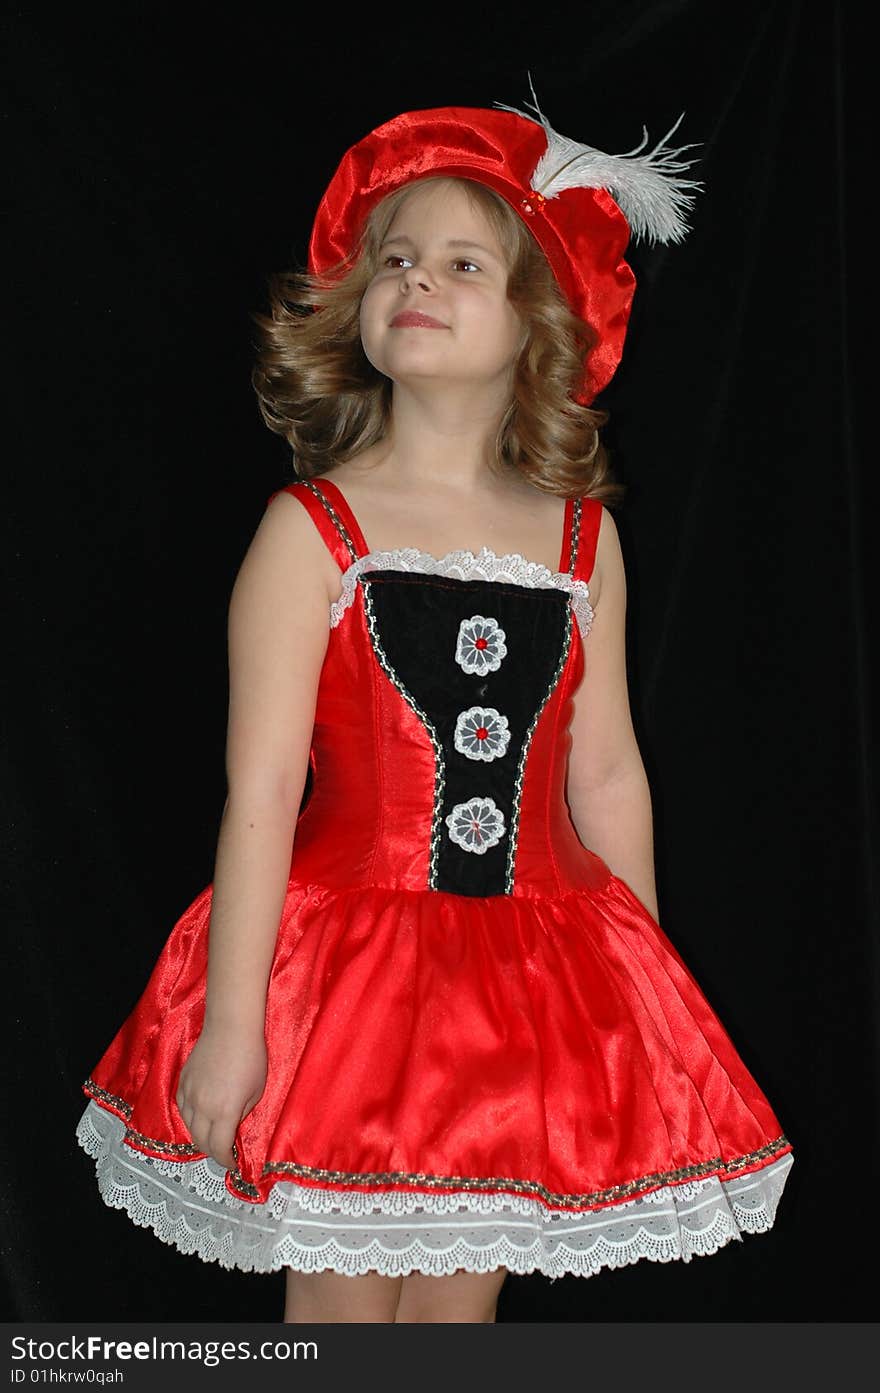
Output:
[[164, 160]]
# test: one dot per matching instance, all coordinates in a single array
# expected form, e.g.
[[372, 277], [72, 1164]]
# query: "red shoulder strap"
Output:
[[586, 532], [568, 536], [332, 517]]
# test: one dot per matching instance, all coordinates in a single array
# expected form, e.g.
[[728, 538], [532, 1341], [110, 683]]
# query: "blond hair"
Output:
[[317, 388]]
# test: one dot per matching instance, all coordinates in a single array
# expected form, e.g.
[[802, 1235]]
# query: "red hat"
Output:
[[561, 189]]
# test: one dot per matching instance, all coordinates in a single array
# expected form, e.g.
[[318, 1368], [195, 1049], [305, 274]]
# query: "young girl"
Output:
[[424, 1028]]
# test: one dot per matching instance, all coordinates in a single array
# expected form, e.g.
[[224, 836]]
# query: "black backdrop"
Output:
[[164, 161]]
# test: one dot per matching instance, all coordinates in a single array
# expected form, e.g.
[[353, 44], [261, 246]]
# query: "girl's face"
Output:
[[441, 260]]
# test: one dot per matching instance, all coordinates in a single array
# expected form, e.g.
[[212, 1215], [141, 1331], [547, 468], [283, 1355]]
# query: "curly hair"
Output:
[[317, 388]]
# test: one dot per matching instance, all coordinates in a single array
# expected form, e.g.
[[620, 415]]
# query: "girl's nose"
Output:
[[416, 276]]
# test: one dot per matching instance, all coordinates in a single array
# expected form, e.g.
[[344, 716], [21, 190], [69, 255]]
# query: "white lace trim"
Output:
[[187, 1205], [464, 565]]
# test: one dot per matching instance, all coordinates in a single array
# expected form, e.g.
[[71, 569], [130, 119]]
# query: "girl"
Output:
[[424, 1027]]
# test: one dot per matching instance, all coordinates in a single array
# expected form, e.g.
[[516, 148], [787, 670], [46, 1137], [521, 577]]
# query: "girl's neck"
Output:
[[444, 442]]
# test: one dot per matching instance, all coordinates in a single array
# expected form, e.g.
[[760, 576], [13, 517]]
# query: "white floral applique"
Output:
[[476, 825], [481, 732], [480, 646]]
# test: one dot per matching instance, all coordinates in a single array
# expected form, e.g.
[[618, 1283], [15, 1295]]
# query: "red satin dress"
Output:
[[483, 1050]]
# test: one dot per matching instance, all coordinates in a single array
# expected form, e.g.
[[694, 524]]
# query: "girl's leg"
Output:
[[331, 1296], [463, 1296]]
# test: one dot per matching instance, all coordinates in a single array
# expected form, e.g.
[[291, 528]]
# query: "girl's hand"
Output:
[[220, 1083]]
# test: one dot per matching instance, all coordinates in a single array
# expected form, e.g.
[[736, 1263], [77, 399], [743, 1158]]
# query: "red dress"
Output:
[[483, 1050]]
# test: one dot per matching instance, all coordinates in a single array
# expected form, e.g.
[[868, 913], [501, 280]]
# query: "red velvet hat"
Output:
[[561, 189]]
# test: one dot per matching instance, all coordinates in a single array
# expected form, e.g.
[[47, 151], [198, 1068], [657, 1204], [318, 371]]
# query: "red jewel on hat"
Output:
[[481, 733], [481, 643], [533, 203]]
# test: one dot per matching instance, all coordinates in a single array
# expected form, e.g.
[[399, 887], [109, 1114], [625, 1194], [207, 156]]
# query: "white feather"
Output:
[[647, 188]]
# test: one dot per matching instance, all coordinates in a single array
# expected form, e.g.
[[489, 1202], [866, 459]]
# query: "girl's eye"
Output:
[[392, 257], [465, 262]]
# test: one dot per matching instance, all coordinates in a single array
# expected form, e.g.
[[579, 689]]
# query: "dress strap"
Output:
[[586, 521], [569, 533], [332, 517]]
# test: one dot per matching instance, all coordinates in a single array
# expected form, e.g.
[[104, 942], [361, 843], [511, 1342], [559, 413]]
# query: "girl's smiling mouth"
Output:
[[414, 319]]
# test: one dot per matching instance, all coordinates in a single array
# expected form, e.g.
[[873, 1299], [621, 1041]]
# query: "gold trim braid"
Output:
[[532, 1187], [423, 1180]]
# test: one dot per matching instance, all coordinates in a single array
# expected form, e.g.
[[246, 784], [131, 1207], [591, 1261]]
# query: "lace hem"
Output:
[[465, 565], [187, 1205]]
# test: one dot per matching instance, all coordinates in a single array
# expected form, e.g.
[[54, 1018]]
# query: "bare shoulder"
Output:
[[278, 633], [288, 545], [608, 569]]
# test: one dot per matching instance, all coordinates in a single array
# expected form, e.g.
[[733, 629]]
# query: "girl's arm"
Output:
[[608, 793], [278, 632]]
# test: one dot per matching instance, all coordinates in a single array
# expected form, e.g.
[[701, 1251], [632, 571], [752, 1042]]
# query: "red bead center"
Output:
[[482, 732], [481, 643]]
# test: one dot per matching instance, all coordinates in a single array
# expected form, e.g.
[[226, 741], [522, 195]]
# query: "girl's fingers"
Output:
[[214, 1138], [220, 1137]]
